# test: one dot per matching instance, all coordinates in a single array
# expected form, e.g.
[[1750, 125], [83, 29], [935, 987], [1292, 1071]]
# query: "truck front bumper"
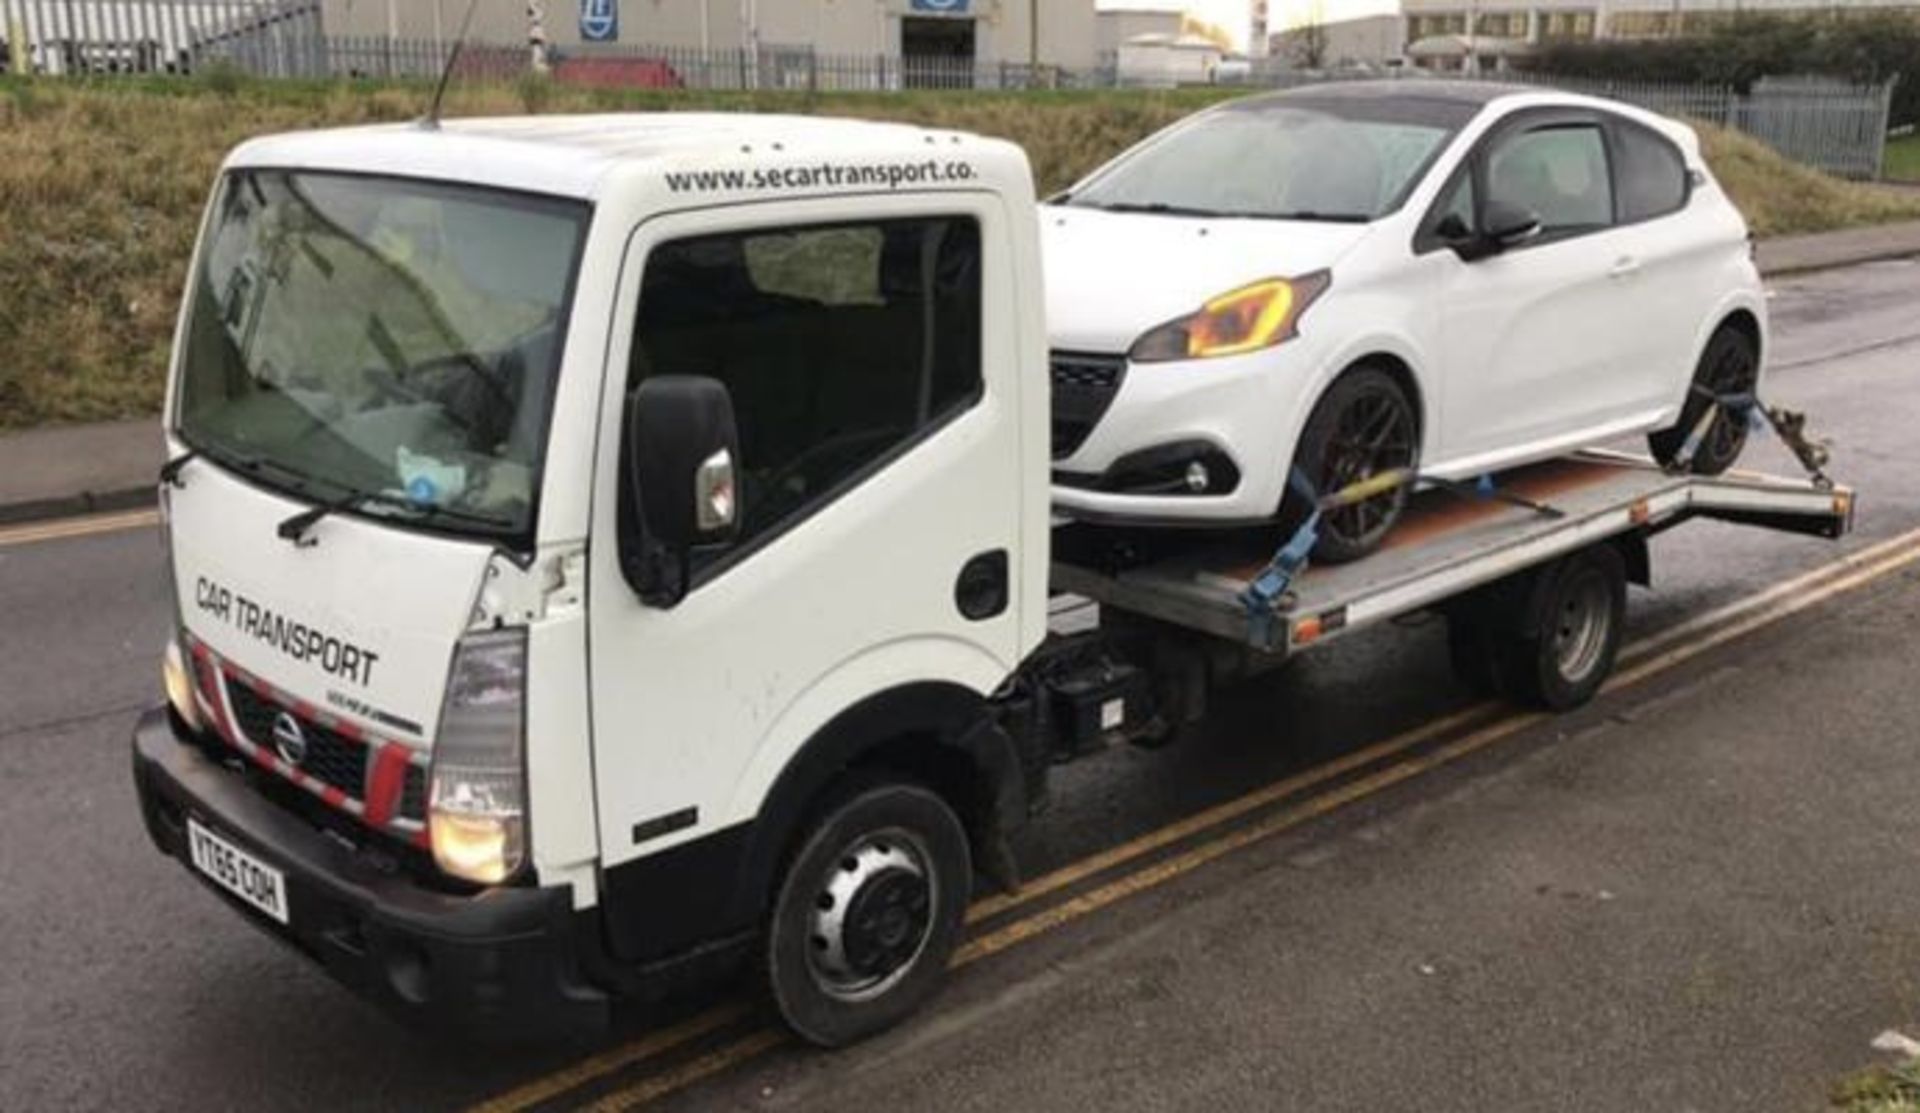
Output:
[[497, 964]]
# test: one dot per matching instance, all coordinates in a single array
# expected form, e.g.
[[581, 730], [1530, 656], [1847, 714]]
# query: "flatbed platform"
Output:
[[1447, 544]]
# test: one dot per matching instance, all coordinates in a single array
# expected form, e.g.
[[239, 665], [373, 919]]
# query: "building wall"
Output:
[[1115, 28], [1069, 34], [1546, 20], [1373, 40]]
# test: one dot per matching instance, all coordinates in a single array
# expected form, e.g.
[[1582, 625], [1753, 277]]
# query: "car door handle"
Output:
[[1624, 268]]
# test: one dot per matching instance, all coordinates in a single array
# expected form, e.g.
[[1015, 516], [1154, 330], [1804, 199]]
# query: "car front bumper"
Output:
[[499, 964], [1243, 411]]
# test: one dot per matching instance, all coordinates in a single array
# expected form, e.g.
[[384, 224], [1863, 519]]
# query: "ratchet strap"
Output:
[[1266, 594], [1789, 425]]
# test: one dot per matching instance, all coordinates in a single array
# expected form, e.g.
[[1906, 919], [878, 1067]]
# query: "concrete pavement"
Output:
[[1785, 255], [80, 469]]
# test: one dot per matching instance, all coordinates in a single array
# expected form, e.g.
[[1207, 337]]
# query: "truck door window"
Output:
[[840, 345]]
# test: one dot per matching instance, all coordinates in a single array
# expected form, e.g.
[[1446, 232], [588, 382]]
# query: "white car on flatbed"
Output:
[[1351, 279], [608, 548]]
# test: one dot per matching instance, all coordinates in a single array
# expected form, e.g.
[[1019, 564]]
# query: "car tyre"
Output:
[[868, 913], [1730, 365], [1572, 616], [1363, 426]]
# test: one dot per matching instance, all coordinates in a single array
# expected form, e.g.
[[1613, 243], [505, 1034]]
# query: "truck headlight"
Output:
[[1239, 321], [477, 806], [179, 683]]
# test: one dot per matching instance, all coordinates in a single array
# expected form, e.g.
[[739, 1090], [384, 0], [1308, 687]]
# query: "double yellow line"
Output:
[[1645, 659], [61, 529]]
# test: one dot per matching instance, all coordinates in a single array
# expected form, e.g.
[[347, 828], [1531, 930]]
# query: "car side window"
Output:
[[839, 344], [1651, 171], [1558, 172]]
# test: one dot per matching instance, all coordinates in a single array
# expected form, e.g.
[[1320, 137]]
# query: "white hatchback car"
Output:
[[1344, 280]]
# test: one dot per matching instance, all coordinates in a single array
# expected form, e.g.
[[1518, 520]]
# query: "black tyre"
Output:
[[1362, 427], [1568, 634], [868, 913], [1729, 366]]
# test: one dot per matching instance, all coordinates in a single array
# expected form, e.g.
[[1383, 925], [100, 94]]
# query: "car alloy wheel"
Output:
[[1363, 427]]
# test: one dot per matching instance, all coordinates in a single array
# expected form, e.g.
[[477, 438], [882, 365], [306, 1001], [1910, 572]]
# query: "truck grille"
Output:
[[332, 759], [413, 794], [1084, 385]]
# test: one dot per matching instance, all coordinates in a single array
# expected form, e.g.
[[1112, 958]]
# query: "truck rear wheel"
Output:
[[868, 913], [1571, 622]]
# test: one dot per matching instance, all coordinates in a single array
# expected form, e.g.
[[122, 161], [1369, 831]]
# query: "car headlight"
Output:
[[477, 806], [1239, 321]]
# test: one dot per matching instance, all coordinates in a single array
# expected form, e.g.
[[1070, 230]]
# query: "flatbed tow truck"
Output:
[[549, 633]]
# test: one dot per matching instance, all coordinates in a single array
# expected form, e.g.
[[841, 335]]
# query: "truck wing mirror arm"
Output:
[[680, 458]]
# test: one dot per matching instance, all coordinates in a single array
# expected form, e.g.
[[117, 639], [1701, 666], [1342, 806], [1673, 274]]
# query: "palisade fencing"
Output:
[[272, 38], [1835, 126]]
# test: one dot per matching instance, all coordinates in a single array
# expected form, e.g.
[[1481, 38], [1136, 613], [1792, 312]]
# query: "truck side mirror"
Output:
[[680, 455]]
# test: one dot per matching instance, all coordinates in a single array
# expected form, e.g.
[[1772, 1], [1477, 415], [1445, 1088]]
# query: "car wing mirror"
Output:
[[679, 482], [1509, 225]]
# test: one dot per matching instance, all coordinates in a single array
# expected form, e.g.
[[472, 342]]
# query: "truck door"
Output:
[[871, 352]]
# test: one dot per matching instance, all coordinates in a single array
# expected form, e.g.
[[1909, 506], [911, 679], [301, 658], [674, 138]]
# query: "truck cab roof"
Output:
[[577, 156]]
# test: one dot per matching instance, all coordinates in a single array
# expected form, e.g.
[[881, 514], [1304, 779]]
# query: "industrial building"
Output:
[[984, 32]]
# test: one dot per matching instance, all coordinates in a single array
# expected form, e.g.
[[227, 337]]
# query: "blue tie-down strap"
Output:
[[1262, 595]]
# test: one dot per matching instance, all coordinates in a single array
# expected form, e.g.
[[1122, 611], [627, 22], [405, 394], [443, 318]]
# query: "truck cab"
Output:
[[604, 547]]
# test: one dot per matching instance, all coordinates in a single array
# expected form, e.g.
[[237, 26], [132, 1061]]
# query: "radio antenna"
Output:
[[432, 119]]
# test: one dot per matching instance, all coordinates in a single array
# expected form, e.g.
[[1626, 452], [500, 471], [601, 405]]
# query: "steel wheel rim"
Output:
[[1581, 627], [1373, 435], [872, 915]]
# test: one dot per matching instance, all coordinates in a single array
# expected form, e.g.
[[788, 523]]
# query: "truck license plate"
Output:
[[238, 872]]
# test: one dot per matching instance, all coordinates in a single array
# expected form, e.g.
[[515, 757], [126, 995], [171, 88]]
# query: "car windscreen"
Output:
[[1334, 159], [381, 341]]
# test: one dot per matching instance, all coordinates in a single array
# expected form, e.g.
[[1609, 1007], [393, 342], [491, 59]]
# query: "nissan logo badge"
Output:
[[289, 741]]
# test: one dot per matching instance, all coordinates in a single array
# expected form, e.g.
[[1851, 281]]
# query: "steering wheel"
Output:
[[472, 364]]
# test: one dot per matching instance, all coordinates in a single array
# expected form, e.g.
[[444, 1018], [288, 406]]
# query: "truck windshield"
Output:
[[383, 343]]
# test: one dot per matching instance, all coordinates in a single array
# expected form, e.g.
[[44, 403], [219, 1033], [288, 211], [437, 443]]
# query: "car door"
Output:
[[870, 347], [1535, 339], [1674, 264]]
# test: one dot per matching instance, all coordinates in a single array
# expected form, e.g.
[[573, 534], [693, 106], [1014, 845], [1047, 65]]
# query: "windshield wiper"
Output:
[[1155, 208], [296, 528], [170, 471], [1325, 218]]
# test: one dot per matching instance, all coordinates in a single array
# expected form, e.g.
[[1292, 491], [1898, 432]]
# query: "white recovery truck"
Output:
[[610, 548]]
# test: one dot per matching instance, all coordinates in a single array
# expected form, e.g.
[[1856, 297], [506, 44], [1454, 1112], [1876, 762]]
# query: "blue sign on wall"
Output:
[[941, 7], [600, 21]]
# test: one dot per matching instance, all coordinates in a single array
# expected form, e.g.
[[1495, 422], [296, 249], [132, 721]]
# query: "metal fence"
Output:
[[1837, 127], [272, 38], [1832, 125]]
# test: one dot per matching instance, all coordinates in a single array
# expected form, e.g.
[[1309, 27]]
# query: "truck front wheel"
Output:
[[868, 913]]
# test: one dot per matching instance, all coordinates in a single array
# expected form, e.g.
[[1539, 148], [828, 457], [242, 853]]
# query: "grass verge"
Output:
[[1881, 1090], [1903, 159], [102, 184]]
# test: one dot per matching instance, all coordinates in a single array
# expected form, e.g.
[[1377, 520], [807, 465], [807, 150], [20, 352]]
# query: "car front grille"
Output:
[[332, 758], [1084, 385]]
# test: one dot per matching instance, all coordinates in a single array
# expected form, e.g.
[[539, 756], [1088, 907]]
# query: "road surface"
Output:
[[1696, 894]]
